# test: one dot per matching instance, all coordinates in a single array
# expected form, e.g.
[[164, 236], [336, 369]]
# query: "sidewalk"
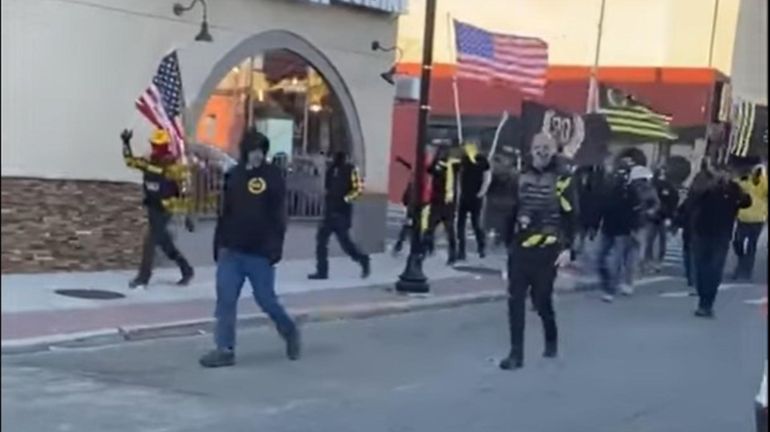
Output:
[[35, 317]]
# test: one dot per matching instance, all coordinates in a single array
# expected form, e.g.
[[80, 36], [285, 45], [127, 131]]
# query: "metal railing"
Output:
[[304, 182]]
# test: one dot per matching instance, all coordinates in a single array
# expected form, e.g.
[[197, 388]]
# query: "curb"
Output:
[[203, 326], [414, 303]]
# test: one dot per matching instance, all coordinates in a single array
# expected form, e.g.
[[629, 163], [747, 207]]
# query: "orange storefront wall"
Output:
[[221, 122]]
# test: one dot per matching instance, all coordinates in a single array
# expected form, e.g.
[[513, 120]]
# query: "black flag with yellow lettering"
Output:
[[581, 138]]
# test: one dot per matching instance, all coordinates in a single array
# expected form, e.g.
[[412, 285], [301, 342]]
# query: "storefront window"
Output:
[[285, 98]]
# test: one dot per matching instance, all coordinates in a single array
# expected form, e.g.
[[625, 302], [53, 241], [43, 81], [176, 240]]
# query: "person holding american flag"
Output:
[[161, 179], [165, 171]]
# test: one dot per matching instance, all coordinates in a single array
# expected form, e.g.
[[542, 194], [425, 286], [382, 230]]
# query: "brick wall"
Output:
[[69, 225]]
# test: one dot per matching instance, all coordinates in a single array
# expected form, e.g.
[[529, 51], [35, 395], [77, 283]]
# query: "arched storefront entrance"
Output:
[[267, 53], [281, 84]]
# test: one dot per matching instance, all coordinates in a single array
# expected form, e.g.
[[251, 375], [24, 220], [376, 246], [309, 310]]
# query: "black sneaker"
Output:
[[187, 275], [217, 358], [461, 256], [550, 351], [294, 345], [511, 363], [704, 313], [137, 284], [318, 276], [482, 254], [366, 268]]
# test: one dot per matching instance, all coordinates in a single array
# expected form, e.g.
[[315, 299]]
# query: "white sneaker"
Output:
[[608, 298], [627, 290]]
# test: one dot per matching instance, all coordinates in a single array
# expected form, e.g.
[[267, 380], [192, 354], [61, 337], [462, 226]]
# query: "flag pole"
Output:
[[456, 93], [492, 151], [592, 102]]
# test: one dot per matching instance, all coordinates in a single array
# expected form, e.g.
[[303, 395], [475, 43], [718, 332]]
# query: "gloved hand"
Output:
[[126, 136]]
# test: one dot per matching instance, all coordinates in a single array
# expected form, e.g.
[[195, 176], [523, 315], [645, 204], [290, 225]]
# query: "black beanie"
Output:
[[253, 140]]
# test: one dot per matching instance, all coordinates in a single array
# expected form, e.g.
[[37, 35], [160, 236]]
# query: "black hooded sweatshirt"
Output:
[[253, 215]]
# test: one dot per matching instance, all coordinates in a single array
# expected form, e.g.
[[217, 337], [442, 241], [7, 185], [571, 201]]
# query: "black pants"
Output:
[[531, 270], [441, 214], [709, 255], [745, 248], [472, 206], [687, 257], [158, 236], [339, 225]]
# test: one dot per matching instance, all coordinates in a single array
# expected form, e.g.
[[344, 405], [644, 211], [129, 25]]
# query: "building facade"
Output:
[[71, 72], [673, 55]]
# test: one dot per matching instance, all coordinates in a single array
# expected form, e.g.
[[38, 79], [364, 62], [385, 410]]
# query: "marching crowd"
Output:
[[556, 208]]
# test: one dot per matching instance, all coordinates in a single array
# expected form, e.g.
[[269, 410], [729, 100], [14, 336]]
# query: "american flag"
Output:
[[162, 102], [517, 60]]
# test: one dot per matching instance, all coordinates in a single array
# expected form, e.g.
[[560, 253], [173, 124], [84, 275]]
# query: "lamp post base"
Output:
[[413, 280]]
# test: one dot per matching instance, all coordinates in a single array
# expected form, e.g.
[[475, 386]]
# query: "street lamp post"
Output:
[[413, 280]]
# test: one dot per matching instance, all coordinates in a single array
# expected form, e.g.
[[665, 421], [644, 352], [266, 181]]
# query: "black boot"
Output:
[[366, 267], [187, 273], [217, 358], [702, 312], [293, 345], [318, 276], [137, 283], [551, 350], [512, 362]]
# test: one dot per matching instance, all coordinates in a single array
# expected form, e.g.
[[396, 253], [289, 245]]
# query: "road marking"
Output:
[[676, 294], [740, 285], [760, 301], [723, 287]]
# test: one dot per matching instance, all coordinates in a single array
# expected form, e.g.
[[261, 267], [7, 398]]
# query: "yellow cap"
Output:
[[159, 137]]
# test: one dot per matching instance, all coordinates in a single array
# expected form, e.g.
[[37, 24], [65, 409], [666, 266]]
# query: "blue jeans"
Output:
[[617, 258], [233, 268], [610, 261]]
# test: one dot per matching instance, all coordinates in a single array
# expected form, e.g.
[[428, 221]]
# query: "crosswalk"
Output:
[[674, 255]]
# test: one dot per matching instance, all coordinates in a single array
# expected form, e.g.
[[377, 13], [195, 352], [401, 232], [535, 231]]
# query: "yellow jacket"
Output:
[[757, 213]]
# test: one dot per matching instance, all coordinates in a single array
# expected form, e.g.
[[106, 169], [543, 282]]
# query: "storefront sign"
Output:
[[391, 6]]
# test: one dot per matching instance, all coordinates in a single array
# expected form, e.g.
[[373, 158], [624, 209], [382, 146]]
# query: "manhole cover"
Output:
[[478, 270], [90, 294]]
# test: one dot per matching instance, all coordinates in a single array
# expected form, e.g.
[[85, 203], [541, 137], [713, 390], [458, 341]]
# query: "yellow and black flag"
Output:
[[628, 117], [748, 134]]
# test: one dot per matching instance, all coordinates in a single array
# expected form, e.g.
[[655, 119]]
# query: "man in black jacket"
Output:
[[343, 185], [543, 226], [617, 220], [714, 211], [443, 171], [248, 243], [475, 178], [661, 222]]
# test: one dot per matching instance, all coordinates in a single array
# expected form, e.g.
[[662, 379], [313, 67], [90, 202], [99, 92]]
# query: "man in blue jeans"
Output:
[[248, 242], [617, 225]]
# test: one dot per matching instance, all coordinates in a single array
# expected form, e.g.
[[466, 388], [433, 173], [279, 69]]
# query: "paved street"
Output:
[[642, 364]]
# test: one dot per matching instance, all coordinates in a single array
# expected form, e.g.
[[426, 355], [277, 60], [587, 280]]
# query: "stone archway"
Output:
[[280, 39]]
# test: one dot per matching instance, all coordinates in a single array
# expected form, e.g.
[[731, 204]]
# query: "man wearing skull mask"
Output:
[[539, 242]]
